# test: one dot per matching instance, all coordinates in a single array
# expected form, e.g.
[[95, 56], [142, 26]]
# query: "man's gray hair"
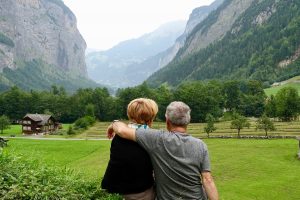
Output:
[[178, 113]]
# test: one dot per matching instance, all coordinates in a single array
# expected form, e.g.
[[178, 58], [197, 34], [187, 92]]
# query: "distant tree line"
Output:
[[215, 97]]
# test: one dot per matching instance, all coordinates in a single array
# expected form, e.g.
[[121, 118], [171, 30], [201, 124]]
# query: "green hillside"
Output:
[[37, 75], [263, 44], [293, 82]]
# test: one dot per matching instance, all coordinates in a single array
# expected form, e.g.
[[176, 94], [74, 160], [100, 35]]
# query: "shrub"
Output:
[[24, 179], [210, 124], [71, 130], [84, 122]]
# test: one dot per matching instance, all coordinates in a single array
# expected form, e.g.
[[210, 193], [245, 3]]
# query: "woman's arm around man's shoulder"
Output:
[[122, 130]]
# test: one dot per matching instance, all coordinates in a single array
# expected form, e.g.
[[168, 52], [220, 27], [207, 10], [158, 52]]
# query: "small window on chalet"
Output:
[[26, 128]]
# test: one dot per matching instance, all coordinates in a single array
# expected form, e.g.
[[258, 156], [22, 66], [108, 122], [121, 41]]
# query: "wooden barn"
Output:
[[38, 123]]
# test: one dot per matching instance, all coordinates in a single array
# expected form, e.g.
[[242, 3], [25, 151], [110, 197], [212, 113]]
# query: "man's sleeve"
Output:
[[148, 138], [205, 162]]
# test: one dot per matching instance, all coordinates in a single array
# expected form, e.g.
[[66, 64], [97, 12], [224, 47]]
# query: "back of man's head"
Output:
[[178, 113]]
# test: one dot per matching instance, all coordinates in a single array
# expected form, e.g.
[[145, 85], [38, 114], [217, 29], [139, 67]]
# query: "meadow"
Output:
[[293, 82], [244, 169], [197, 129]]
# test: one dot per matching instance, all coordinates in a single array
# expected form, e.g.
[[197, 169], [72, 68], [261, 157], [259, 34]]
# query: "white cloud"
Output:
[[104, 23]]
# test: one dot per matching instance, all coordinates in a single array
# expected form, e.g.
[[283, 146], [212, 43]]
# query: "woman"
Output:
[[132, 176]]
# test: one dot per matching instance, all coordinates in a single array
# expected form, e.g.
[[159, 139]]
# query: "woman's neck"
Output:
[[137, 125]]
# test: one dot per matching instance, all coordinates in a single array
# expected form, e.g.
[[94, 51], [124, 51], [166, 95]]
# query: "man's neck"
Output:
[[178, 129]]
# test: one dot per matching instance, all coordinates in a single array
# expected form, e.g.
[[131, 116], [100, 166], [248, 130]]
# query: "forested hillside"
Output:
[[262, 44]]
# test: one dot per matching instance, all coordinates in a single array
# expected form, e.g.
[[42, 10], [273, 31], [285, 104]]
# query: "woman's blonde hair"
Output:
[[142, 110]]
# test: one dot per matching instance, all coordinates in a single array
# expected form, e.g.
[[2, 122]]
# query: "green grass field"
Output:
[[88, 157], [243, 169], [15, 130]]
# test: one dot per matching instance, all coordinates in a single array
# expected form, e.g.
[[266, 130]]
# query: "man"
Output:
[[180, 162]]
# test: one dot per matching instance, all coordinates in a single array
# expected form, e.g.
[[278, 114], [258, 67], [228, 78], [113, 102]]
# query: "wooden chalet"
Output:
[[38, 123]]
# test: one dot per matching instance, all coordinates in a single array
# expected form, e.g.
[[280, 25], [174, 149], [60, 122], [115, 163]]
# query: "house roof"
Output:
[[41, 118]]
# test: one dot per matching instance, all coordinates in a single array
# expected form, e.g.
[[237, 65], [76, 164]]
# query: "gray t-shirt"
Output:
[[177, 161]]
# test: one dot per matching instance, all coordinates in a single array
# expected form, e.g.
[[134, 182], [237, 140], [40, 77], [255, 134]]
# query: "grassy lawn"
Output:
[[243, 169], [255, 169], [15, 130], [88, 157]]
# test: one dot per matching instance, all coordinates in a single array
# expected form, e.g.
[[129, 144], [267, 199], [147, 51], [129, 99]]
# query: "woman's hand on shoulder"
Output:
[[110, 132]]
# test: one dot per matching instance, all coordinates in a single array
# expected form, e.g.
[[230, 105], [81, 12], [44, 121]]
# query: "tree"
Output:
[[271, 107], [252, 99], [239, 122], [232, 95], [265, 123], [15, 103], [209, 128], [287, 103], [4, 123], [202, 98], [90, 110], [163, 97]]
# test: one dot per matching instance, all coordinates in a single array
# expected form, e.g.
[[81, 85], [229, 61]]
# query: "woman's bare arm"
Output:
[[122, 130]]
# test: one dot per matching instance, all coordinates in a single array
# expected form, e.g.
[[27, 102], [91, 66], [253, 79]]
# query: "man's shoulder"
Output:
[[197, 141], [142, 131], [149, 135]]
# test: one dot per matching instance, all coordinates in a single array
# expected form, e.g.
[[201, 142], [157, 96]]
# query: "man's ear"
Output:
[[167, 120], [168, 123]]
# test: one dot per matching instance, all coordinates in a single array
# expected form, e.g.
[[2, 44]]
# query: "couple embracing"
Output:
[[148, 164]]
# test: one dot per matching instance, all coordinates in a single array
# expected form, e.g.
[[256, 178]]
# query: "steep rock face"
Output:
[[196, 17], [214, 29], [40, 29]]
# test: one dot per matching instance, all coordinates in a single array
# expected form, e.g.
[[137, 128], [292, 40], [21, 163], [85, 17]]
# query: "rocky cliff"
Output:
[[42, 30], [196, 17], [215, 28]]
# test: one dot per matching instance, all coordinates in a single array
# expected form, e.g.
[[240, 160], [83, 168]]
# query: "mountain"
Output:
[[154, 63], [40, 45], [196, 17], [249, 39], [113, 66]]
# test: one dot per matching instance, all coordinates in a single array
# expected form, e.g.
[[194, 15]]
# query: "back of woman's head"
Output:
[[142, 110]]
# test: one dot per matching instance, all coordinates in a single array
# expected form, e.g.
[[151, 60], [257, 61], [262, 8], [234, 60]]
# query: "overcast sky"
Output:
[[104, 23]]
